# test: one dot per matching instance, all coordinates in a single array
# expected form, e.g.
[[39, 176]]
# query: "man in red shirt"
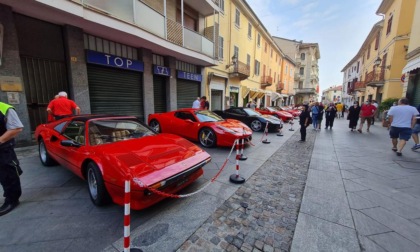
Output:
[[366, 114], [62, 107]]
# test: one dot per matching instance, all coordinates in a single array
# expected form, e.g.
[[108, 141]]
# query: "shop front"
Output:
[[188, 88]]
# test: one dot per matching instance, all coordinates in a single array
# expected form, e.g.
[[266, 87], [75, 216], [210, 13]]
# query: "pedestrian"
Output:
[[330, 113], [320, 115], [402, 119], [366, 113], [62, 107], [353, 115], [374, 103], [315, 111], [196, 103], [304, 121], [204, 104], [340, 108], [50, 116], [345, 109], [416, 130], [10, 127]]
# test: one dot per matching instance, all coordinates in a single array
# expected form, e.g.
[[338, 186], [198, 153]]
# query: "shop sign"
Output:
[[109, 60], [161, 70], [189, 76]]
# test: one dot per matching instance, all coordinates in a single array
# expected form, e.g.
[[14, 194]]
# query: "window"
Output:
[[358, 66], [265, 47], [377, 41], [388, 28], [237, 17], [302, 56], [249, 30], [259, 40], [286, 68], [271, 53], [302, 71], [257, 67], [368, 52], [236, 51], [300, 84], [274, 77], [248, 60], [221, 41], [222, 5]]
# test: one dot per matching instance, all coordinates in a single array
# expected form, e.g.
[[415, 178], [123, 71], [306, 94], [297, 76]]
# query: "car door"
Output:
[[238, 114], [185, 125]]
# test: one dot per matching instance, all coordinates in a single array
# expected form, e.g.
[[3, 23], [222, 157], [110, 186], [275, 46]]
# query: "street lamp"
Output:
[[377, 63]]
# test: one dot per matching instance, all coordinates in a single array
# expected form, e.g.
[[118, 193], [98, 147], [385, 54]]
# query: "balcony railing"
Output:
[[305, 91], [279, 87], [153, 21], [240, 70], [375, 78], [266, 81], [360, 86]]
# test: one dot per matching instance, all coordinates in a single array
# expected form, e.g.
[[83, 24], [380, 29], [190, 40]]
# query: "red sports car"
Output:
[[106, 150], [283, 115], [203, 126], [294, 111]]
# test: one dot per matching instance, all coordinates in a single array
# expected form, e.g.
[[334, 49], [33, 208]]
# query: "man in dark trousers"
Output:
[[10, 127]]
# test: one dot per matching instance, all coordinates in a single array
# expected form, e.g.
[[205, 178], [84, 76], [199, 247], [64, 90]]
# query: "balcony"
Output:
[[239, 70], [139, 14], [266, 81], [375, 78], [298, 76], [314, 77], [279, 87], [360, 86], [305, 91]]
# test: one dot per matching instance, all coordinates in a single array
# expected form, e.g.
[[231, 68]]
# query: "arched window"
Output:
[[302, 56], [301, 70]]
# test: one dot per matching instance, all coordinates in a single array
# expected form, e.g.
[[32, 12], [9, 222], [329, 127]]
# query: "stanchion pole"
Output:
[[243, 157], [127, 199], [235, 178], [291, 126], [266, 141], [281, 127]]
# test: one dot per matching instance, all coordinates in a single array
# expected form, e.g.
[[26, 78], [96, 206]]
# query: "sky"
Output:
[[338, 26]]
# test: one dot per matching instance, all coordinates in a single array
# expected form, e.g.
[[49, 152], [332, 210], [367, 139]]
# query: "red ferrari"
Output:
[[203, 126], [106, 150], [283, 115], [295, 112]]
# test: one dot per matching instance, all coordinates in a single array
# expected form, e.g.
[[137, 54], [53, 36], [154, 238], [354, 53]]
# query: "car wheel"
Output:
[[97, 190], [154, 124], [45, 158], [207, 137], [256, 125]]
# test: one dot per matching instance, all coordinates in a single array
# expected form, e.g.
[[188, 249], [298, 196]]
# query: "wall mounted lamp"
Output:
[[377, 63]]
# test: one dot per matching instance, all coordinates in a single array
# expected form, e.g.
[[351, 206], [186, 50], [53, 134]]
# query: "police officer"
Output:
[[10, 127]]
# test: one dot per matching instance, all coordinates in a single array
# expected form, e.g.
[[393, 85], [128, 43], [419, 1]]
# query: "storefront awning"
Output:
[[284, 95], [411, 65], [256, 93], [245, 92], [275, 96]]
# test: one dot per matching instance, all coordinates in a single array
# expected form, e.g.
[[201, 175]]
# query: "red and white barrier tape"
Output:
[[127, 216], [265, 132]]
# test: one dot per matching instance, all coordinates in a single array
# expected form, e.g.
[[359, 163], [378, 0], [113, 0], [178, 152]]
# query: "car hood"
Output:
[[235, 125], [155, 158], [285, 114], [271, 119]]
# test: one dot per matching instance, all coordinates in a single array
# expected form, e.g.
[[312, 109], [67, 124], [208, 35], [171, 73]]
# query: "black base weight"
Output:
[[236, 179]]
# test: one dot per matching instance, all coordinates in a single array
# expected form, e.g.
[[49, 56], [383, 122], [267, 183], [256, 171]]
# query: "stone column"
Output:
[[11, 67], [148, 97], [76, 67], [171, 94]]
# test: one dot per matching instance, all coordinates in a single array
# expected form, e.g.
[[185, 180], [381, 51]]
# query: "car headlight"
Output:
[[226, 129]]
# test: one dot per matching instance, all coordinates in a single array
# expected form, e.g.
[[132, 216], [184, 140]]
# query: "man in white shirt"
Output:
[[196, 103], [402, 119]]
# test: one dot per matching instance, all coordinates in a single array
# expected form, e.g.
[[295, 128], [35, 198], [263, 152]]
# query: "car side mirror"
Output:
[[70, 143], [189, 120]]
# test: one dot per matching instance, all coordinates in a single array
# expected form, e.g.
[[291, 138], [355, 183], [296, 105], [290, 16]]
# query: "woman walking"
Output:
[[330, 115], [353, 115], [315, 112]]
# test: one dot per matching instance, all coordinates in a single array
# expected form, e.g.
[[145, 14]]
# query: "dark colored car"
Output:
[[255, 120]]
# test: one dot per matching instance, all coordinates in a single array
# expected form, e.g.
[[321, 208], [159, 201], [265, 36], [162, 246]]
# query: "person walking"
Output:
[[196, 103], [402, 119], [320, 115], [50, 116], [62, 107], [340, 108], [330, 113], [353, 115], [315, 111], [10, 127], [304, 122], [366, 113], [375, 114], [416, 130]]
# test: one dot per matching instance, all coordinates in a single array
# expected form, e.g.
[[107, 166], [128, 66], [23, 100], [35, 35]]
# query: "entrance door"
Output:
[[216, 99]]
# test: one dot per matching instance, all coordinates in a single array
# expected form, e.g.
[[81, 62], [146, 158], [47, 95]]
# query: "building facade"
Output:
[[306, 79], [333, 94], [411, 71], [106, 55], [351, 84], [288, 80]]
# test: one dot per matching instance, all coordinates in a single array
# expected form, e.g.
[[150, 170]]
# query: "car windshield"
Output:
[[272, 109], [114, 130], [207, 116], [252, 112]]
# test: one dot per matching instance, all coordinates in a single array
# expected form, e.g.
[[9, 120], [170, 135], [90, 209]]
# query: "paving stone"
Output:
[[368, 245], [351, 186], [394, 242], [366, 225], [357, 202]]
